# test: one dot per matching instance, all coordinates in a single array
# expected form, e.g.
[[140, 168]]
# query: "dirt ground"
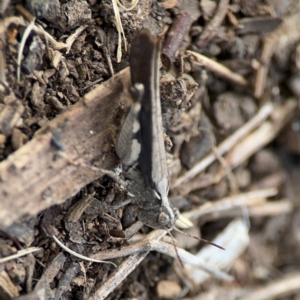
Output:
[[230, 82]]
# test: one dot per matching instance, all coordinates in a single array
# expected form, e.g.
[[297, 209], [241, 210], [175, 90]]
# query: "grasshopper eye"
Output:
[[163, 219]]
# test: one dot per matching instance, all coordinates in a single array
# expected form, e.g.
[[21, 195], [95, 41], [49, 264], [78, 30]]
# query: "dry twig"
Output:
[[245, 148], [174, 38], [22, 45], [249, 199], [287, 33], [150, 243], [126, 267], [211, 28], [276, 289], [19, 254], [234, 239], [262, 135], [79, 255], [120, 31], [228, 144], [42, 33], [139, 251], [270, 209], [216, 67]]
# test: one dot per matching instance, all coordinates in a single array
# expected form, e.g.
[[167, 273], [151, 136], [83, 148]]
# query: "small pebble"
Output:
[[168, 289], [37, 7]]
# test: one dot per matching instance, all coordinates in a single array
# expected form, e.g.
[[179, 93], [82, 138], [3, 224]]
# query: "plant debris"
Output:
[[229, 91]]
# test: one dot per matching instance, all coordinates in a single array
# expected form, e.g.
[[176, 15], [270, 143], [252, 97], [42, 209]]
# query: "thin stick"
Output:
[[71, 39], [92, 83], [44, 34], [22, 45], [19, 254], [227, 144], [124, 269], [279, 40], [120, 31], [262, 135], [211, 28], [245, 199], [255, 141], [181, 25], [217, 68], [79, 255], [150, 243], [277, 289], [271, 209]]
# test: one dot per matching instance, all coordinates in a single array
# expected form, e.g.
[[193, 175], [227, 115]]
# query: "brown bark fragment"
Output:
[[36, 177]]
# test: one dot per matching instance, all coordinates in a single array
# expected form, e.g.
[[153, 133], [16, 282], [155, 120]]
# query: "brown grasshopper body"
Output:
[[140, 144]]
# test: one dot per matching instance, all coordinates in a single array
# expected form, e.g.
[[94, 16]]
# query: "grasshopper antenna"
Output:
[[176, 251], [197, 238]]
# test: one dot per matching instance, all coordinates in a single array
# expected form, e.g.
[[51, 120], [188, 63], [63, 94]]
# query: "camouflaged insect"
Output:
[[141, 144]]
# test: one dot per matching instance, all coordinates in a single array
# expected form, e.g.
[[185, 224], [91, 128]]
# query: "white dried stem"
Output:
[[217, 68], [234, 239], [227, 144], [249, 199]]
